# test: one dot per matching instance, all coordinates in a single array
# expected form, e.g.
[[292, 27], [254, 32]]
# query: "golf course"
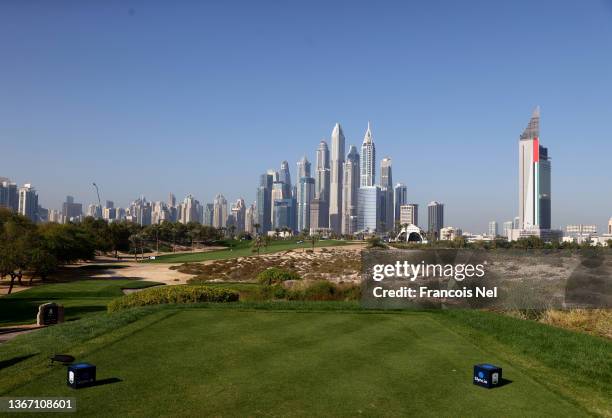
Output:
[[304, 359]]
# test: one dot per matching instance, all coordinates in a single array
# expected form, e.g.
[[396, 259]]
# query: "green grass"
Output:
[[242, 249], [79, 298], [314, 359]]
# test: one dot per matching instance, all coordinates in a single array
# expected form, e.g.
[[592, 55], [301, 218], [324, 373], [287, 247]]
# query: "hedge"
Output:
[[173, 294]]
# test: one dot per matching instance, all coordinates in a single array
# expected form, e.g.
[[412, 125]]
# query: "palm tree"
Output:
[[256, 226], [313, 239]]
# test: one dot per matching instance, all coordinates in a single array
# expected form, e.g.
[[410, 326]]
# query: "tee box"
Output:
[[487, 375]]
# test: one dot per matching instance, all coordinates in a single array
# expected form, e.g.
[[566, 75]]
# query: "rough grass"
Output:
[[333, 264], [592, 321]]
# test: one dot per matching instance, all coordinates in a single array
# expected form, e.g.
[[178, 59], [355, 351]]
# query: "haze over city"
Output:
[[144, 99]]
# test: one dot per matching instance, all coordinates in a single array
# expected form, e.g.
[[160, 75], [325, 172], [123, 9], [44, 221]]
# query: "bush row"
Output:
[[173, 294], [321, 290], [275, 275]]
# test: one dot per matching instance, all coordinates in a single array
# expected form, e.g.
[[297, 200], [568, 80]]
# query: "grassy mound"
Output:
[[173, 294]]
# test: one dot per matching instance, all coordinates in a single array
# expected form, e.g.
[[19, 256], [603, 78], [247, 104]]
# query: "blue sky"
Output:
[[147, 98]]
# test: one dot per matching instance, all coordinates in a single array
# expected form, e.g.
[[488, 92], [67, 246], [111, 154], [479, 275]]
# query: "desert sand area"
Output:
[[126, 268]]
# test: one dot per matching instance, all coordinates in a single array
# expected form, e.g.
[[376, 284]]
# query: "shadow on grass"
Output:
[[107, 381], [504, 382], [11, 362]]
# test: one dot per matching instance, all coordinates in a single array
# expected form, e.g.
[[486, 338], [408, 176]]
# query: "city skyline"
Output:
[[212, 111]]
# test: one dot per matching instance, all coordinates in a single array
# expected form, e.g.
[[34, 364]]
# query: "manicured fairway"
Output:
[[233, 362], [79, 298], [243, 249]]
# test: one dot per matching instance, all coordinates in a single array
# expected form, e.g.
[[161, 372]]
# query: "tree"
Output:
[[256, 226], [119, 237], [314, 238]]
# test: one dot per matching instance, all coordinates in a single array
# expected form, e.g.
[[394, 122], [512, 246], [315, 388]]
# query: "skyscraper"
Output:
[[284, 176], [71, 210], [610, 226], [303, 168], [534, 178], [189, 210], [209, 210], [239, 214], [219, 211], [171, 200], [335, 191], [28, 202], [305, 195], [387, 210], [322, 185], [250, 219], [284, 214], [9, 196], [409, 214], [435, 218], [350, 193], [493, 229], [368, 210], [400, 197], [264, 203], [368, 160]]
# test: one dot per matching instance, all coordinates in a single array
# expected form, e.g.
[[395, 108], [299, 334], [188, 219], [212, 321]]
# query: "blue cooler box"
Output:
[[81, 375], [487, 375]]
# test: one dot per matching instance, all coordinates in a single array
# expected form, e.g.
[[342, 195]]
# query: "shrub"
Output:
[[275, 275], [173, 294], [323, 290]]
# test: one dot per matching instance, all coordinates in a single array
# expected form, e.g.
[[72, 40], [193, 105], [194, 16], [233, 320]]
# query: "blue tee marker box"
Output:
[[487, 375], [81, 375]]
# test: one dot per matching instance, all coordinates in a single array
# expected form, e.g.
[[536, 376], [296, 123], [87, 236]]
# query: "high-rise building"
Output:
[[409, 214], [335, 184], [386, 177], [95, 211], [108, 214], [507, 227], [303, 168], [139, 212], [189, 210], [387, 210], [322, 182], [239, 214], [264, 203], [319, 216], [350, 193], [219, 211], [284, 214], [610, 226], [171, 200], [368, 210], [160, 213], [534, 178], [305, 195], [400, 197], [368, 160], [9, 196], [28, 202], [209, 210], [71, 210], [284, 176], [250, 219], [493, 229], [435, 218]]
